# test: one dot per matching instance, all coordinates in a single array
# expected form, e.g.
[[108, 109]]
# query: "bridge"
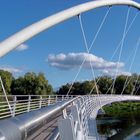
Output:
[[53, 117]]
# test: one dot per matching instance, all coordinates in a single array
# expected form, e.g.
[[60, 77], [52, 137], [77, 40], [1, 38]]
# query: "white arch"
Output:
[[18, 38]]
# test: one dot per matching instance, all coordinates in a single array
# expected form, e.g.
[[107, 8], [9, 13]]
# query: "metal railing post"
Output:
[[40, 102], [14, 106], [56, 99], [29, 103], [49, 100], [62, 97], [64, 113], [75, 114]]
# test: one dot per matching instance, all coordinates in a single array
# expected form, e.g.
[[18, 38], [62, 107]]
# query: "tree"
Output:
[[88, 87], [104, 83], [78, 88], [43, 86], [64, 90], [31, 84], [7, 81], [135, 78], [123, 84]]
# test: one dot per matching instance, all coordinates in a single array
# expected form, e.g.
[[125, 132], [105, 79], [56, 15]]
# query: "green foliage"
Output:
[[63, 90], [31, 84], [104, 84], [36, 84], [123, 109], [88, 87], [136, 82], [82, 88], [7, 81], [123, 84], [78, 88]]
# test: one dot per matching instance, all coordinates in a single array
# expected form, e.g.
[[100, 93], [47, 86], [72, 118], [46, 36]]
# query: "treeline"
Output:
[[29, 84], [104, 85], [36, 84]]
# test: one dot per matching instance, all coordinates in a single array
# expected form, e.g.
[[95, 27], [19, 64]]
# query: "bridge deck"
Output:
[[45, 132]]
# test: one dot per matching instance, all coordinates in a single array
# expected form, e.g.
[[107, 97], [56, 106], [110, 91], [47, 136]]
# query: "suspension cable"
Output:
[[83, 33], [4, 92], [127, 81], [138, 86], [120, 53], [129, 27], [85, 41], [94, 39], [134, 87], [132, 22], [99, 29], [135, 52]]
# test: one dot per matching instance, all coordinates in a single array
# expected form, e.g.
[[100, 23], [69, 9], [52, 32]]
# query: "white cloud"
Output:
[[112, 72], [22, 47], [11, 69], [74, 60]]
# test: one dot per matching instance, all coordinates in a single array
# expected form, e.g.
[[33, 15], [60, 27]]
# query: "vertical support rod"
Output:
[[56, 99], [40, 102], [49, 100], [14, 106], [10, 108], [62, 97], [29, 103]]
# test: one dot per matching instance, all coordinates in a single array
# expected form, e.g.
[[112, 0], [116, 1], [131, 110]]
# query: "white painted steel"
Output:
[[20, 37], [83, 116], [83, 108], [26, 125]]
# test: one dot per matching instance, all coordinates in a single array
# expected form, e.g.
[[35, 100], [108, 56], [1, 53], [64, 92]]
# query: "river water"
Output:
[[127, 128]]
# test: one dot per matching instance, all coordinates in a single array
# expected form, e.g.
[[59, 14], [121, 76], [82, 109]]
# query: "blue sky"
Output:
[[59, 51]]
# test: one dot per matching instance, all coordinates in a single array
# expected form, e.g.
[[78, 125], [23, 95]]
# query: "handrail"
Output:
[[84, 112], [22, 126], [27, 103], [76, 111]]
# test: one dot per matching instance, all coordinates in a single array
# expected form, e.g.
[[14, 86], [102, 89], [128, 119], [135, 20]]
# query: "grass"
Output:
[[123, 109]]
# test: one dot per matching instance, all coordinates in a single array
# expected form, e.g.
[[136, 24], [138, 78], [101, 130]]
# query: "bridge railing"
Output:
[[28, 125], [77, 122], [68, 119], [81, 123], [19, 104]]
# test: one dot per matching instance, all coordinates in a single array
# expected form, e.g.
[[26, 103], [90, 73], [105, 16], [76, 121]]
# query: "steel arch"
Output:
[[25, 34]]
